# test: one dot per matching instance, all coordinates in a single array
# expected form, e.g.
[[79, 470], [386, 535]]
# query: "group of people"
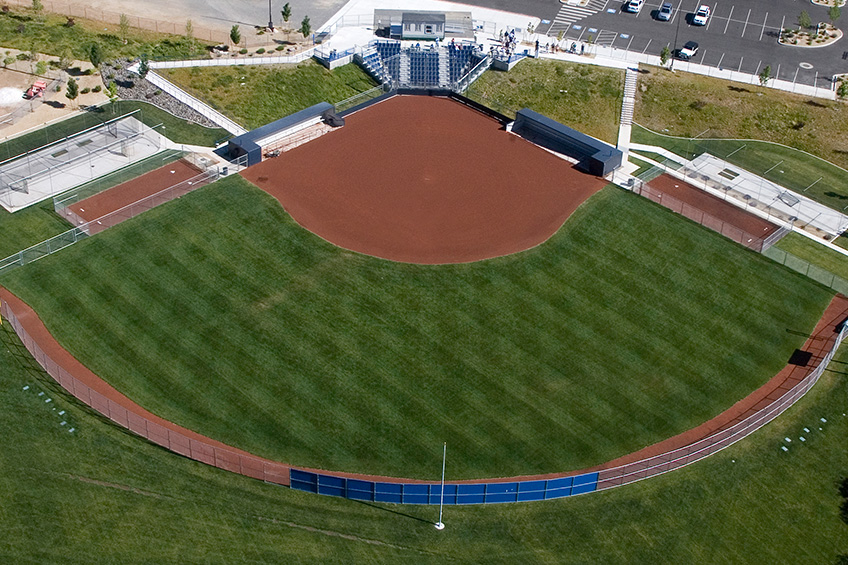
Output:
[[508, 44]]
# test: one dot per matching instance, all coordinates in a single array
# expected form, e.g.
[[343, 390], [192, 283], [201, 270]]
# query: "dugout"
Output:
[[594, 156], [253, 142]]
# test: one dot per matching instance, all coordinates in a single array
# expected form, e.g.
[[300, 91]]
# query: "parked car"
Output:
[[702, 15], [634, 6], [690, 49], [665, 12]]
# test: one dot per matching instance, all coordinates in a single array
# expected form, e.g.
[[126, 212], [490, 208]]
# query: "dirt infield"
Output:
[[134, 190], [425, 180], [725, 211]]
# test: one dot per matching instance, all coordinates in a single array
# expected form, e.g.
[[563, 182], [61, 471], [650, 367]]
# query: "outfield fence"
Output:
[[92, 391], [818, 274]]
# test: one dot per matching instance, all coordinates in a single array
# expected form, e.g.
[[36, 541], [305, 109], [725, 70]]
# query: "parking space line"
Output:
[[730, 17], [762, 31], [715, 9], [719, 61], [739, 70], [746, 22], [628, 44], [676, 12], [646, 46]]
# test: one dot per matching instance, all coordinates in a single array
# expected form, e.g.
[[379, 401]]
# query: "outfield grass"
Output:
[[630, 325], [687, 105], [790, 168], [559, 90], [102, 495], [255, 95], [815, 253]]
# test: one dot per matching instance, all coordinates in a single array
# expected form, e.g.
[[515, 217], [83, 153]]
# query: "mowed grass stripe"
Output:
[[628, 326]]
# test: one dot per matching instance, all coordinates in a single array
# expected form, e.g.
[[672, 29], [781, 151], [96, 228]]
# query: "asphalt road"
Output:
[[223, 14]]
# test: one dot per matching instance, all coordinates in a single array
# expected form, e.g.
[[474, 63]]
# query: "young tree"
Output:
[[124, 26], [8, 61], [41, 68], [189, 30], [235, 35], [833, 14], [72, 90], [305, 26], [286, 12], [95, 55], [143, 66], [37, 7], [842, 91], [665, 55], [804, 20], [765, 75], [112, 91], [66, 59]]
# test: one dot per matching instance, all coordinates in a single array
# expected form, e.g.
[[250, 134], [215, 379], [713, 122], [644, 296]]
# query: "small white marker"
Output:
[[26, 387], [788, 440], [784, 448], [48, 400], [61, 412], [62, 423], [802, 438], [807, 430], [41, 393], [71, 430], [823, 420]]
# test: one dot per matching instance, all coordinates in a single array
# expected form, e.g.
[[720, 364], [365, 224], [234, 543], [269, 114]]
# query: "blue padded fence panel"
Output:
[[559, 483], [333, 486], [360, 490], [586, 479], [301, 480], [436, 492], [418, 493]]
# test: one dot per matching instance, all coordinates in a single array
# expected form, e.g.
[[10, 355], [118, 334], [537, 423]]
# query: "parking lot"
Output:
[[741, 36]]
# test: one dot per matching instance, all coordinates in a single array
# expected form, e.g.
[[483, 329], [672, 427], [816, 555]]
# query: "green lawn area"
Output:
[[819, 255], [48, 33], [561, 91], [255, 95], [643, 165], [29, 226], [102, 495], [600, 341], [790, 168], [687, 105]]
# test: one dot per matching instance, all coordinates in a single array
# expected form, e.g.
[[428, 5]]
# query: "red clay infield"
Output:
[[425, 180], [706, 202], [134, 190]]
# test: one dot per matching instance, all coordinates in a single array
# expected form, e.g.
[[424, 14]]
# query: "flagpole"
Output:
[[440, 525]]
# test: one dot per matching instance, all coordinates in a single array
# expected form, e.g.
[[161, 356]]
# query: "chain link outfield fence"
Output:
[[92, 391]]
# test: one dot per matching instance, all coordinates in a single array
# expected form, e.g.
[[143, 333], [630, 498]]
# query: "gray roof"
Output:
[[424, 17]]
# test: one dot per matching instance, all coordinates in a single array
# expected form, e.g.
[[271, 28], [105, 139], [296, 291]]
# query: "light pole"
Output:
[[676, 34], [270, 19]]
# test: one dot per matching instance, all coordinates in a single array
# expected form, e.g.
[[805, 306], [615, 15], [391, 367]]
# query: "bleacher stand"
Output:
[[422, 66]]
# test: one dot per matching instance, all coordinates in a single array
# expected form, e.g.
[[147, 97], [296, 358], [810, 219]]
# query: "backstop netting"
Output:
[[75, 160]]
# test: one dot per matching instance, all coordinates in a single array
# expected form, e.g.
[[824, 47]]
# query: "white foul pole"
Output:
[[440, 525]]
